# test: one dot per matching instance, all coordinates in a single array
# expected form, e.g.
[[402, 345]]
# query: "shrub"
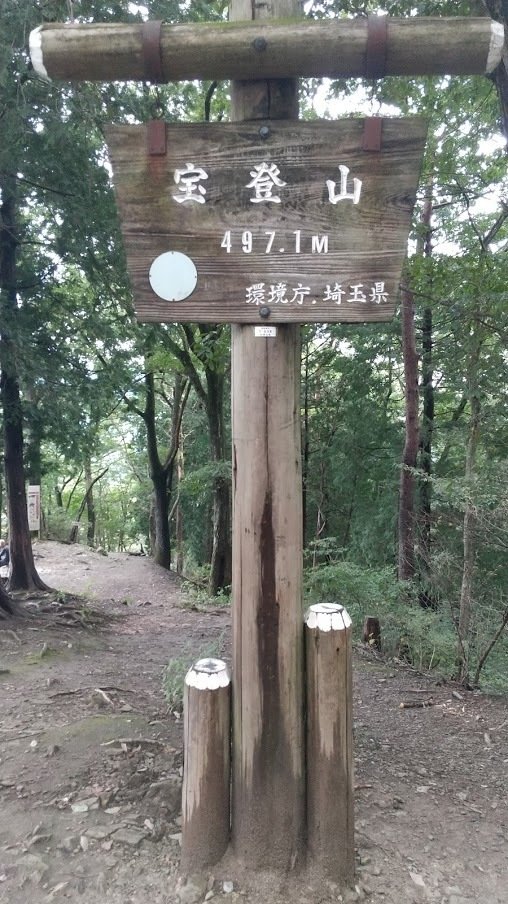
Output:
[[424, 637], [173, 677]]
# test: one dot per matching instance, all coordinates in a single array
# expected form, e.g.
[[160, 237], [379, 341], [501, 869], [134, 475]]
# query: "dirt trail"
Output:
[[91, 759]]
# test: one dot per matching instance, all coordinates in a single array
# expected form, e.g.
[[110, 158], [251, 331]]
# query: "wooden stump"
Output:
[[207, 764], [372, 632], [330, 824]]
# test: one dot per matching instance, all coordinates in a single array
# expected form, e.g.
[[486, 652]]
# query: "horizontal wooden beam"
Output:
[[257, 50]]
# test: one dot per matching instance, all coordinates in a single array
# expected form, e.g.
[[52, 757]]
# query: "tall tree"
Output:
[[204, 358], [23, 574], [161, 468], [406, 559]]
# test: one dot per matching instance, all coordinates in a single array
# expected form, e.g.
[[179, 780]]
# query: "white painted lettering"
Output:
[[378, 294], [226, 241], [255, 294], [271, 236], [343, 194], [189, 180], [247, 242], [334, 294], [265, 178], [319, 244]]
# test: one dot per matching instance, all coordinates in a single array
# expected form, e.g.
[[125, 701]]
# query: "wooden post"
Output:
[[268, 771], [206, 777], [268, 784], [333, 47], [330, 788]]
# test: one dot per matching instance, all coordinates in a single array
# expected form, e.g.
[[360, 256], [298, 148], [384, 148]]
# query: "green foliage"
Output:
[[57, 525], [173, 678], [195, 588], [83, 363], [201, 479], [363, 591], [422, 637]]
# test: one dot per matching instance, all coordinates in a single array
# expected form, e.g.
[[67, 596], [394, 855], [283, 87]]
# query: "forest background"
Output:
[[127, 427]]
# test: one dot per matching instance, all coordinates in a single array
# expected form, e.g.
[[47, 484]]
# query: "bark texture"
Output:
[[23, 574], [406, 566]]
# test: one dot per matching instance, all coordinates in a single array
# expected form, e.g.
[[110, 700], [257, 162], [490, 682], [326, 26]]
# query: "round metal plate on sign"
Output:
[[173, 276]]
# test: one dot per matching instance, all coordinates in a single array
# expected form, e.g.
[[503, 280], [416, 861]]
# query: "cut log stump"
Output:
[[330, 823], [207, 764], [372, 632]]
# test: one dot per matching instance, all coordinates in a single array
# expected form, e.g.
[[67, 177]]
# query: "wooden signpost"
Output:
[[278, 221], [269, 221]]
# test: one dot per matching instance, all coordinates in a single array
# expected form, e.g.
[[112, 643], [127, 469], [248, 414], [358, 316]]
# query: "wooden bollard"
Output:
[[330, 823], [207, 764]]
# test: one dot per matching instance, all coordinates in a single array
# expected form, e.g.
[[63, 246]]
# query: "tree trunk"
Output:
[[174, 461], [468, 530], [220, 565], [8, 606], [23, 574], [161, 539], [179, 516], [427, 425], [35, 434], [161, 473], [160, 536], [90, 505], [477, 334], [212, 398], [406, 566], [427, 428]]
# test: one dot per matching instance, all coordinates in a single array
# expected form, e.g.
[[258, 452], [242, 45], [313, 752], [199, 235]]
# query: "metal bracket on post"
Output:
[[372, 133], [152, 64], [152, 51], [377, 45], [156, 137]]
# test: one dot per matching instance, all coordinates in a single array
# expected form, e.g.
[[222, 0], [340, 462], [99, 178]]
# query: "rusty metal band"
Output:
[[377, 45], [156, 137], [372, 133], [152, 51]]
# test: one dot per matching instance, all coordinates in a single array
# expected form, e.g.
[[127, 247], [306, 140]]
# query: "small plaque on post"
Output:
[[265, 332]]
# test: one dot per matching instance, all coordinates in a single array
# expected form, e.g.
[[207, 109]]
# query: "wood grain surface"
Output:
[[366, 241], [415, 46]]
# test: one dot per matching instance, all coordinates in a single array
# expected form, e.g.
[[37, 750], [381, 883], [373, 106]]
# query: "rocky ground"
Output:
[[91, 758]]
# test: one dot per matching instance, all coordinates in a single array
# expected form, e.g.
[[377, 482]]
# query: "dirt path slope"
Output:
[[91, 759]]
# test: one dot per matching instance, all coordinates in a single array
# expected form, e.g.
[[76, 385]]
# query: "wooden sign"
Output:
[[267, 220], [33, 503]]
